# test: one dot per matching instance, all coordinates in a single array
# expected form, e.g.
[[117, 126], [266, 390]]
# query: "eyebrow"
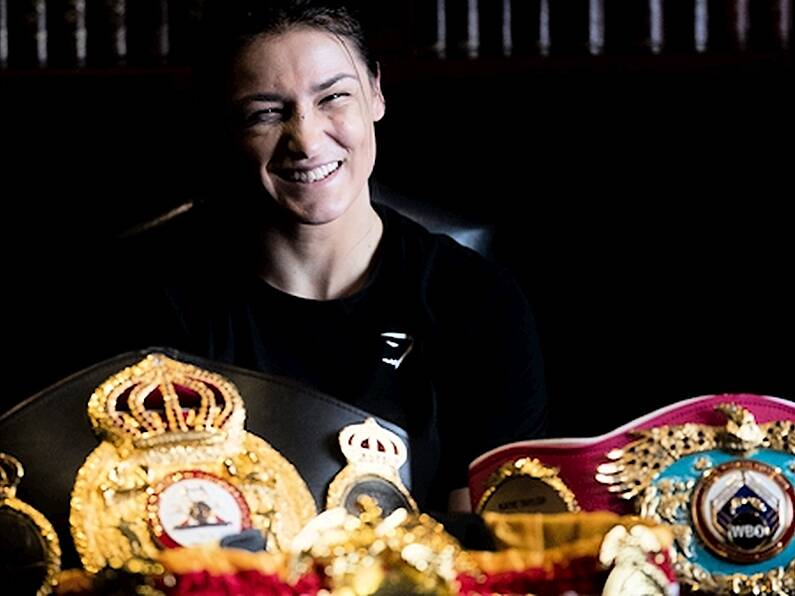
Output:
[[332, 81], [277, 98]]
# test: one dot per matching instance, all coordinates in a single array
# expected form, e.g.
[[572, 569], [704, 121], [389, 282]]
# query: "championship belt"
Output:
[[375, 455], [720, 469], [176, 468], [727, 492], [28, 543]]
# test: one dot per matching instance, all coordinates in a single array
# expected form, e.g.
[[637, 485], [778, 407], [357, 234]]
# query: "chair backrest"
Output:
[[475, 235], [478, 236]]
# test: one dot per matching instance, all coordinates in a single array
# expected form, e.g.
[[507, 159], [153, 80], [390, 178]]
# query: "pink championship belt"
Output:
[[719, 470]]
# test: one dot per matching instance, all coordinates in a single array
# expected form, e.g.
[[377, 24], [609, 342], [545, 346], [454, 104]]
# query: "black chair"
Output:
[[478, 236]]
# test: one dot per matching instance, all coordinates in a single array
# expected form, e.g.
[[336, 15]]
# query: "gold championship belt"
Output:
[[726, 492], [375, 456], [176, 468], [29, 545]]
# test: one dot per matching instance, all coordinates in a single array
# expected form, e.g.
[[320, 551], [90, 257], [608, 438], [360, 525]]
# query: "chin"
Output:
[[317, 212]]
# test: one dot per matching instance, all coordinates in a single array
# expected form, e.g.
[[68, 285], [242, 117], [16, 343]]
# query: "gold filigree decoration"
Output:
[[779, 435], [632, 471], [403, 553], [161, 418], [11, 473], [637, 465], [778, 582], [742, 434], [669, 502], [530, 468], [633, 468], [703, 463]]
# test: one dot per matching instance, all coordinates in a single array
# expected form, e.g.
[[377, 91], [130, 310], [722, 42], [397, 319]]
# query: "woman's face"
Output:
[[306, 107]]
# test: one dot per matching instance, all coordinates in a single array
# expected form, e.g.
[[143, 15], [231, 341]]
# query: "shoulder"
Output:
[[454, 280], [433, 250]]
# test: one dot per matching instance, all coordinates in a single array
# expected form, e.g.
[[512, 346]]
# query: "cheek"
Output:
[[349, 127], [356, 136], [258, 148]]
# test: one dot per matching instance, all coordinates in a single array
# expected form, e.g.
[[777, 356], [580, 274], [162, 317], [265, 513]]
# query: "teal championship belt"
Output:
[[726, 490]]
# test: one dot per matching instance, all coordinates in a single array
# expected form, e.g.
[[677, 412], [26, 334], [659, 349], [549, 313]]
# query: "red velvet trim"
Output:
[[244, 582], [583, 576]]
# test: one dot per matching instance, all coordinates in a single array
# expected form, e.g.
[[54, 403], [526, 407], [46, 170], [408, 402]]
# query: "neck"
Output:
[[326, 261]]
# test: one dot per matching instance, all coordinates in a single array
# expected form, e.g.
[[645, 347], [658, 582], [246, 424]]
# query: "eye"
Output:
[[264, 115], [334, 97]]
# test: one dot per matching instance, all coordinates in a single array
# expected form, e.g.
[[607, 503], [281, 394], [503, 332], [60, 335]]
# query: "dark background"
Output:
[[642, 204], [640, 199]]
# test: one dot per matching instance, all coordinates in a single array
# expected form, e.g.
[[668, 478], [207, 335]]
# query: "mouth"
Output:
[[309, 175]]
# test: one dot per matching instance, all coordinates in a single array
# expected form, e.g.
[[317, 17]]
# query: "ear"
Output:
[[378, 103]]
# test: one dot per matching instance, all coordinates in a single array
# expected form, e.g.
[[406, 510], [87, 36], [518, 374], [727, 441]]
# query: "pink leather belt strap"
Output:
[[578, 458]]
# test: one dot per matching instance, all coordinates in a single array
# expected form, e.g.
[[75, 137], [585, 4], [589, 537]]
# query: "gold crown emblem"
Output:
[[159, 401], [176, 468], [370, 443]]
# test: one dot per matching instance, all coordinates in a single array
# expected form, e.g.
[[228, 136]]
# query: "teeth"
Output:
[[314, 175]]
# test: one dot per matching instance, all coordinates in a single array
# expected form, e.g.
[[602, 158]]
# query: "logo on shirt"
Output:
[[397, 347]]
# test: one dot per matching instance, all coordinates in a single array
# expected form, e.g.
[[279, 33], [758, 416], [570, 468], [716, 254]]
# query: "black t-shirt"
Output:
[[439, 341]]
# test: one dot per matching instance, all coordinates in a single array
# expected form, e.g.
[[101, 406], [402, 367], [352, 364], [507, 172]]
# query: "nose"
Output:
[[304, 134]]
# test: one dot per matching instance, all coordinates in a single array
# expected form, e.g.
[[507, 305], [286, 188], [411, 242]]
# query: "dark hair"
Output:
[[230, 25]]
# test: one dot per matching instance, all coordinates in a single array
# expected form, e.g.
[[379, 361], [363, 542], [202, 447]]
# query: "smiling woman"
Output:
[[307, 278], [307, 109]]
